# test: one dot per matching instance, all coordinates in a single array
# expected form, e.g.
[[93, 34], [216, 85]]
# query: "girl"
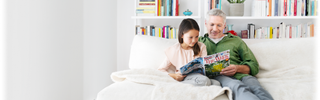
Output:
[[185, 51]]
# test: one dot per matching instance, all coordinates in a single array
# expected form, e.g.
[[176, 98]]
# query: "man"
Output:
[[243, 65]]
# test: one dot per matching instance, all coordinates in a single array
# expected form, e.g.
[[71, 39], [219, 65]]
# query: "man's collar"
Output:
[[228, 35]]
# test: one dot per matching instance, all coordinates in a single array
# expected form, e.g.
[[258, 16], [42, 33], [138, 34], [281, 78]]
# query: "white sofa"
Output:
[[286, 68]]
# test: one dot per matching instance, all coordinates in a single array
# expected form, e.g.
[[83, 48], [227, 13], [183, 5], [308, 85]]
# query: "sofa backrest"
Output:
[[148, 52], [276, 56]]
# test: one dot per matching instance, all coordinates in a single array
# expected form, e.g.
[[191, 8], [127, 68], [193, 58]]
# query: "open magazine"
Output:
[[210, 65]]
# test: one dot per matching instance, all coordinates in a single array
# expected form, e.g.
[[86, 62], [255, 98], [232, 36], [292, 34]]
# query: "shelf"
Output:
[[164, 17], [276, 17]]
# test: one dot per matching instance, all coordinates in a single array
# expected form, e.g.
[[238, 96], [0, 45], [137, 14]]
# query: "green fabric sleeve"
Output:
[[248, 58]]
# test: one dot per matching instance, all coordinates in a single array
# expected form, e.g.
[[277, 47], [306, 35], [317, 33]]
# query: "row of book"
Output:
[[167, 32], [158, 8], [282, 31], [211, 4], [284, 8]]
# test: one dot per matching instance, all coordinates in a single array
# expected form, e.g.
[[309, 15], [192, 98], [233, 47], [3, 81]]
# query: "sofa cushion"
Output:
[[286, 67]]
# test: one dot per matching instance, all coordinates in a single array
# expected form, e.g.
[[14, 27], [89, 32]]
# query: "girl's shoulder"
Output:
[[174, 47]]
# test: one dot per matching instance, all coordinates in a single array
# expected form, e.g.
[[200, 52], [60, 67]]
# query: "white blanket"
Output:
[[166, 88]]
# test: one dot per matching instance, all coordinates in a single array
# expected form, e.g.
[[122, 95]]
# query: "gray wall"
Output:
[[100, 41]]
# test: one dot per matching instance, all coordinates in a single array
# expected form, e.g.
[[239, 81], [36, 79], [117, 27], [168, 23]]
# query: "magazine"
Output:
[[210, 65]]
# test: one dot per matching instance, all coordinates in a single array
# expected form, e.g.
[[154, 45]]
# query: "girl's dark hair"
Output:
[[185, 26]]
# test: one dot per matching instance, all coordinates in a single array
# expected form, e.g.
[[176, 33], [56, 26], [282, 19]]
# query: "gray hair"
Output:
[[216, 12]]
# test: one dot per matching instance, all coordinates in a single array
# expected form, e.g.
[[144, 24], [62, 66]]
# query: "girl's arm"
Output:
[[165, 65], [164, 68]]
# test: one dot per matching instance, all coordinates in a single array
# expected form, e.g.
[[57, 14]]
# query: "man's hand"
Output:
[[233, 69], [177, 77], [229, 71]]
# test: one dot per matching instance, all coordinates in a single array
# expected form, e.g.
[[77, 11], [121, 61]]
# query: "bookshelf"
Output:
[[164, 17], [174, 21], [239, 23]]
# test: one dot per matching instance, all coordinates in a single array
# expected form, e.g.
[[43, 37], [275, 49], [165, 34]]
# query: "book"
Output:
[[210, 65], [276, 6], [278, 33], [147, 3], [251, 28], [146, 0], [274, 32], [244, 34], [177, 7], [270, 31], [295, 8], [312, 30]]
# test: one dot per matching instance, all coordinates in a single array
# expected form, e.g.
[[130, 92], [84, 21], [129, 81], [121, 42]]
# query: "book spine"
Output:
[[274, 33], [269, 8], [270, 33], [315, 7], [295, 8], [177, 8], [263, 8], [302, 7], [219, 4], [163, 30], [307, 7], [285, 8], [280, 31], [252, 32], [276, 2], [171, 32], [299, 7], [168, 7], [279, 8], [167, 32], [312, 7], [299, 28], [213, 4], [165, 7], [290, 31], [283, 33], [272, 7], [289, 8], [159, 7], [175, 32], [172, 8], [153, 31]]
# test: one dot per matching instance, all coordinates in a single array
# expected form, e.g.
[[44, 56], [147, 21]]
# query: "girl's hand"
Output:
[[177, 77]]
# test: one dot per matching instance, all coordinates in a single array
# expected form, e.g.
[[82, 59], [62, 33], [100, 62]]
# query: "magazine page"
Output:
[[215, 63], [194, 66]]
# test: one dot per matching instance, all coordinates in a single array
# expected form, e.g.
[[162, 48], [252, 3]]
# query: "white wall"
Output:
[[44, 49], [100, 43], [125, 32], [3, 50], [56, 49]]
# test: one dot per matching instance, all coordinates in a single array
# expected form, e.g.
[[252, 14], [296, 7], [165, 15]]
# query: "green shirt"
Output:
[[240, 54]]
